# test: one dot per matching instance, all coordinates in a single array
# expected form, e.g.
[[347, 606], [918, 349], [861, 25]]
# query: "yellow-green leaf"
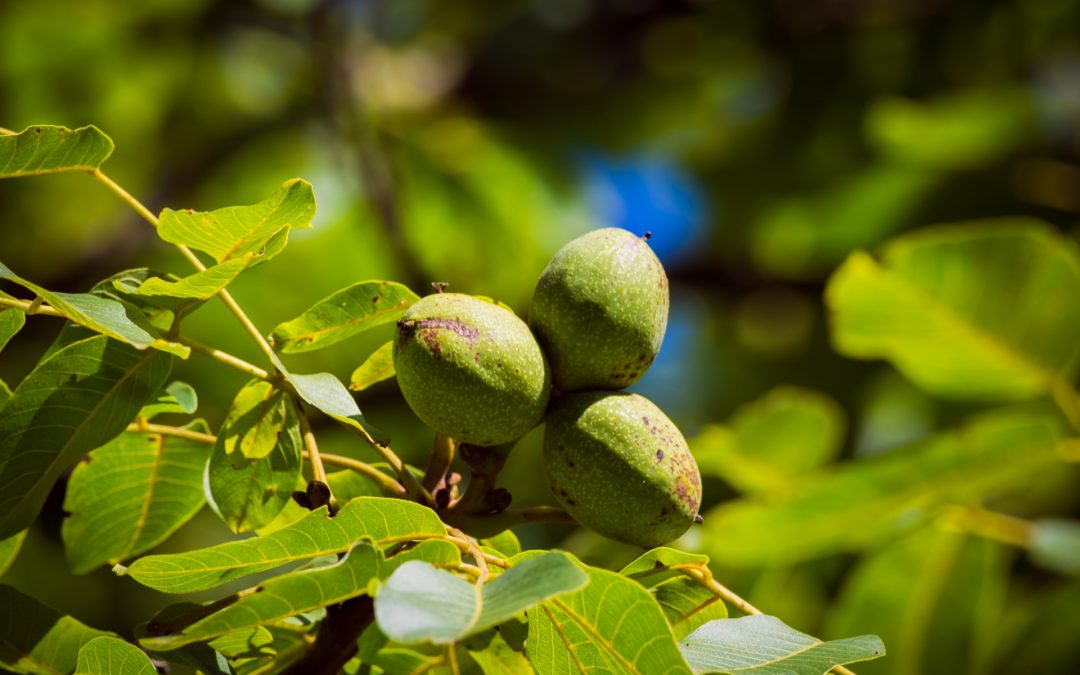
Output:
[[981, 310], [350, 311], [376, 368], [36, 638], [48, 149], [130, 495], [113, 656]]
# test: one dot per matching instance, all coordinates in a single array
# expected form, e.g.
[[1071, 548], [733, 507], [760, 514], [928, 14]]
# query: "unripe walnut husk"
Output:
[[620, 467], [471, 369], [600, 311]]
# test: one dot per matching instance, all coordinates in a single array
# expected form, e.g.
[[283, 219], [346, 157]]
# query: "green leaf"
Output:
[[178, 397], [236, 231], [499, 658], [687, 605], [376, 368], [350, 311], [109, 317], [74, 401], [421, 603], [11, 321], [305, 591], [379, 520], [9, 549], [201, 285], [963, 130], [257, 459], [875, 499], [612, 625], [245, 644], [345, 485], [113, 656], [326, 393], [771, 444], [936, 598], [764, 644], [130, 495], [5, 394], [47, 149], [660, 558], [1055, 545], [37, 638], [982, 310], [505, 543]]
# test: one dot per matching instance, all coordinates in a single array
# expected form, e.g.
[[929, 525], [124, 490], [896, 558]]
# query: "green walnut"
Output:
[[471, 369], [620, 467], [600, 310]]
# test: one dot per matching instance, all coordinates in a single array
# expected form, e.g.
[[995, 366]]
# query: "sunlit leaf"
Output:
[[304, 591], [74, 401], [506, 543], [112, 656], [235, 231], [37, 638], [379, 520], [245, 644], [962, 130], [499, 658], [177, 397], [326, 393], [764, 644], [687, 605], [11, 321], [47, 149], [9, 549], [200, 285], [350, 311], [872, 500], [770, 444], [376, 368], [935, 598], [102, 315], [1055, 545], [421, 603], [130, 495], [661, 558], [612, 625], [257, 458], [982, 310]]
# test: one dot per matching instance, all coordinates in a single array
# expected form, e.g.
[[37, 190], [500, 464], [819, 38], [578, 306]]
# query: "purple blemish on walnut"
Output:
[[659, 454]]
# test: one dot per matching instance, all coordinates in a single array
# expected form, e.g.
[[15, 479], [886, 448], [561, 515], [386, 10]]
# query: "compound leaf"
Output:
[[131, 494], [112, 656], [872, 500], [77, 399], [123, 322], [980, 311], [48, 149], [379, 520], [36, 637], [612, 625], [350, 311], [236, 231], [421, 603], [765, 645]]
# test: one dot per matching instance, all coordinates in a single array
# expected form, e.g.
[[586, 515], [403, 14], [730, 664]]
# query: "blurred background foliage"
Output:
[[760, 142]]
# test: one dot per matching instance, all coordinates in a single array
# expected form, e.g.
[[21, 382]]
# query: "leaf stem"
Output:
[[442, 456], [479, 556], [412, 486], [989, 525], [31, 307], [227, 359], [164, 430], [318, 471]]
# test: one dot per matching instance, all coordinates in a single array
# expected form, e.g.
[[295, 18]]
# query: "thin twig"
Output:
[[412, 486], [442, 456], [474, 551], [164, 430], [226, 358]]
